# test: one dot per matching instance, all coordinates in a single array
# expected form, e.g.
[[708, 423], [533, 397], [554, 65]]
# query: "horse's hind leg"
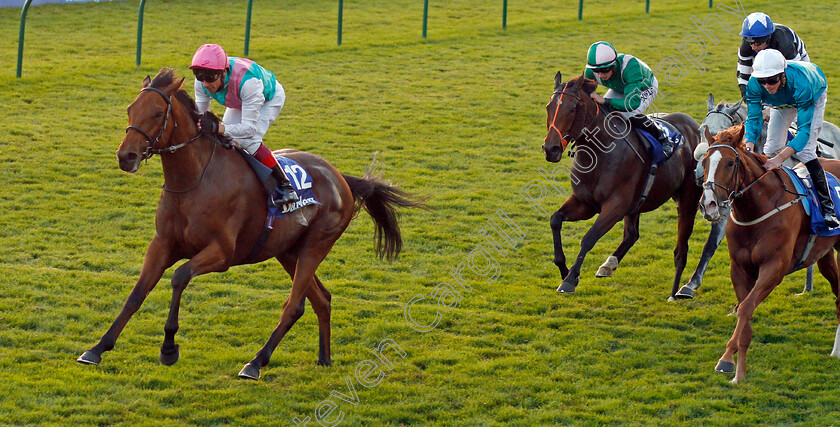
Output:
[[157, 260], [631, 236], [828, 266], [320, 298], [309, 258], [686, 211], [210, 259]]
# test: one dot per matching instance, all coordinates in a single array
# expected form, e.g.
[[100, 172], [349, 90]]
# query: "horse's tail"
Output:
[[381, 200]]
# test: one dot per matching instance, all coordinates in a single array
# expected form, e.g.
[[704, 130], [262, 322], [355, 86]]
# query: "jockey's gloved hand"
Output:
[[209, 123]]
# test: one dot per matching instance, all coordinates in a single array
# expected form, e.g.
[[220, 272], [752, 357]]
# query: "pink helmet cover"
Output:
[[210, 56]]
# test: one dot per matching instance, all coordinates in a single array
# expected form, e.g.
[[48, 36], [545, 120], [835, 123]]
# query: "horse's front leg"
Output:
[[158, 259], [572, 210], [631, 236], [214, 258], [610, 215], [769, 276]]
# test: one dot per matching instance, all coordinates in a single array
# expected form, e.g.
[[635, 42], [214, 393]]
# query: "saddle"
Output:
[[654, 149], [810, 203]]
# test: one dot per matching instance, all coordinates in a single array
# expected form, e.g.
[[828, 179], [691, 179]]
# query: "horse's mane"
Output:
[[734, 137], [165, 78]]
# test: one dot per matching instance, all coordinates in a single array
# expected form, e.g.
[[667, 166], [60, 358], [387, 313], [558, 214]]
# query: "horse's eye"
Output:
[[159, 114], [730, 163]]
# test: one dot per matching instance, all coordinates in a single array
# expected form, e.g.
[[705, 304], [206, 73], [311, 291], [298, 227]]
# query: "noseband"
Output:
[[734, 193], [731, 195], [152, 143]]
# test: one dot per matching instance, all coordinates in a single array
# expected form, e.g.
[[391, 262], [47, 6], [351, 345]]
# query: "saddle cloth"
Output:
[[810, 203], [654, 147], [299, 178]]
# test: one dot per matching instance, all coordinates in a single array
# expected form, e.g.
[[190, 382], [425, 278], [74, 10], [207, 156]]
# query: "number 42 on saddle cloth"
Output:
[[301, 181]]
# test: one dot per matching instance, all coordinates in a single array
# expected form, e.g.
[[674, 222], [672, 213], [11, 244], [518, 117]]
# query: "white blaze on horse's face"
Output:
[[711, 209]]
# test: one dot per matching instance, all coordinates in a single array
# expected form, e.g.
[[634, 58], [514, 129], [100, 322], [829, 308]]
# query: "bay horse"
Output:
[[609, 179], [212, 211], [771, 240]]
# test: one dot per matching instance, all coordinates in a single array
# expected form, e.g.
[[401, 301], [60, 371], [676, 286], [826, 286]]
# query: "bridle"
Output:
[[732, 120], [735, 194], [566, 139], [152, 143], [731, 194], [151, 148]]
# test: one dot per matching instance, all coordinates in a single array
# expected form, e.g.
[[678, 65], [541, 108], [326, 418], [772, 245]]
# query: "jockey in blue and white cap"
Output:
[[758, 32]]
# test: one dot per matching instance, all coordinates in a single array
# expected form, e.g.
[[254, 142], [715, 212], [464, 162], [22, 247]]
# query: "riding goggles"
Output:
[[769, 80], [205, 75], [758, 41], [602, 70]]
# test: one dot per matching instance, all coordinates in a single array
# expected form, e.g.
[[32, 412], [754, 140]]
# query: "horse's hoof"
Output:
[[89, 358], [608, 267], [250, 372], [671, 299], [327, 362], [685, 293], [169, 357], [603, 272], [725, 367], [566, 288]]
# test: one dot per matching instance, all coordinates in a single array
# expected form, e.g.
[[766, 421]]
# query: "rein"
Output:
[[152, 143]]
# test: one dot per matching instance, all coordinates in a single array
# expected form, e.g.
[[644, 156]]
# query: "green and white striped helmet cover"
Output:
[[600, 55]]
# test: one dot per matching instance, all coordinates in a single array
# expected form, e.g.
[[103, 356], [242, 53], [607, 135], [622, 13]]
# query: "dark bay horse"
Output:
[[769, 245], [213, 209], [609, 173]]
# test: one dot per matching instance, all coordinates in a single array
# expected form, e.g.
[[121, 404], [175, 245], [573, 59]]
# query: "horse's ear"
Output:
[[708, 134], [740, 136], [147, 81], [558, 79], [175, 87], [588, 86], [710, 103]]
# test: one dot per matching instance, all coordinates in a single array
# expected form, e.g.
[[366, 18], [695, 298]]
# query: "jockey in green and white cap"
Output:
[[631, 83]]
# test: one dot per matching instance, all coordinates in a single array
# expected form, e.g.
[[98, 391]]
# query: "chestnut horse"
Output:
[[609, 173], [213, 210], [772, 239]]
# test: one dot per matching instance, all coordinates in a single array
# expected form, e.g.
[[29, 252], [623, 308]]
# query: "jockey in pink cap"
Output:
[[253, 99]]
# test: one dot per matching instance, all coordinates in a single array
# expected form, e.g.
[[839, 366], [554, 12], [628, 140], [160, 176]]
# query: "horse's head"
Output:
[[722, 116], [150, 120], [723, 171], [566, 114]]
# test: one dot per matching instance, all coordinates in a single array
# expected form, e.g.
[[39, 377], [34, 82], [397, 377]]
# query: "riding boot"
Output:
[[648, 126], [283, 184], [820, 184]]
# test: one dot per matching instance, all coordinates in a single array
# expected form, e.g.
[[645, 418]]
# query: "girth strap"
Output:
[[806, 252], [646, 190]]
